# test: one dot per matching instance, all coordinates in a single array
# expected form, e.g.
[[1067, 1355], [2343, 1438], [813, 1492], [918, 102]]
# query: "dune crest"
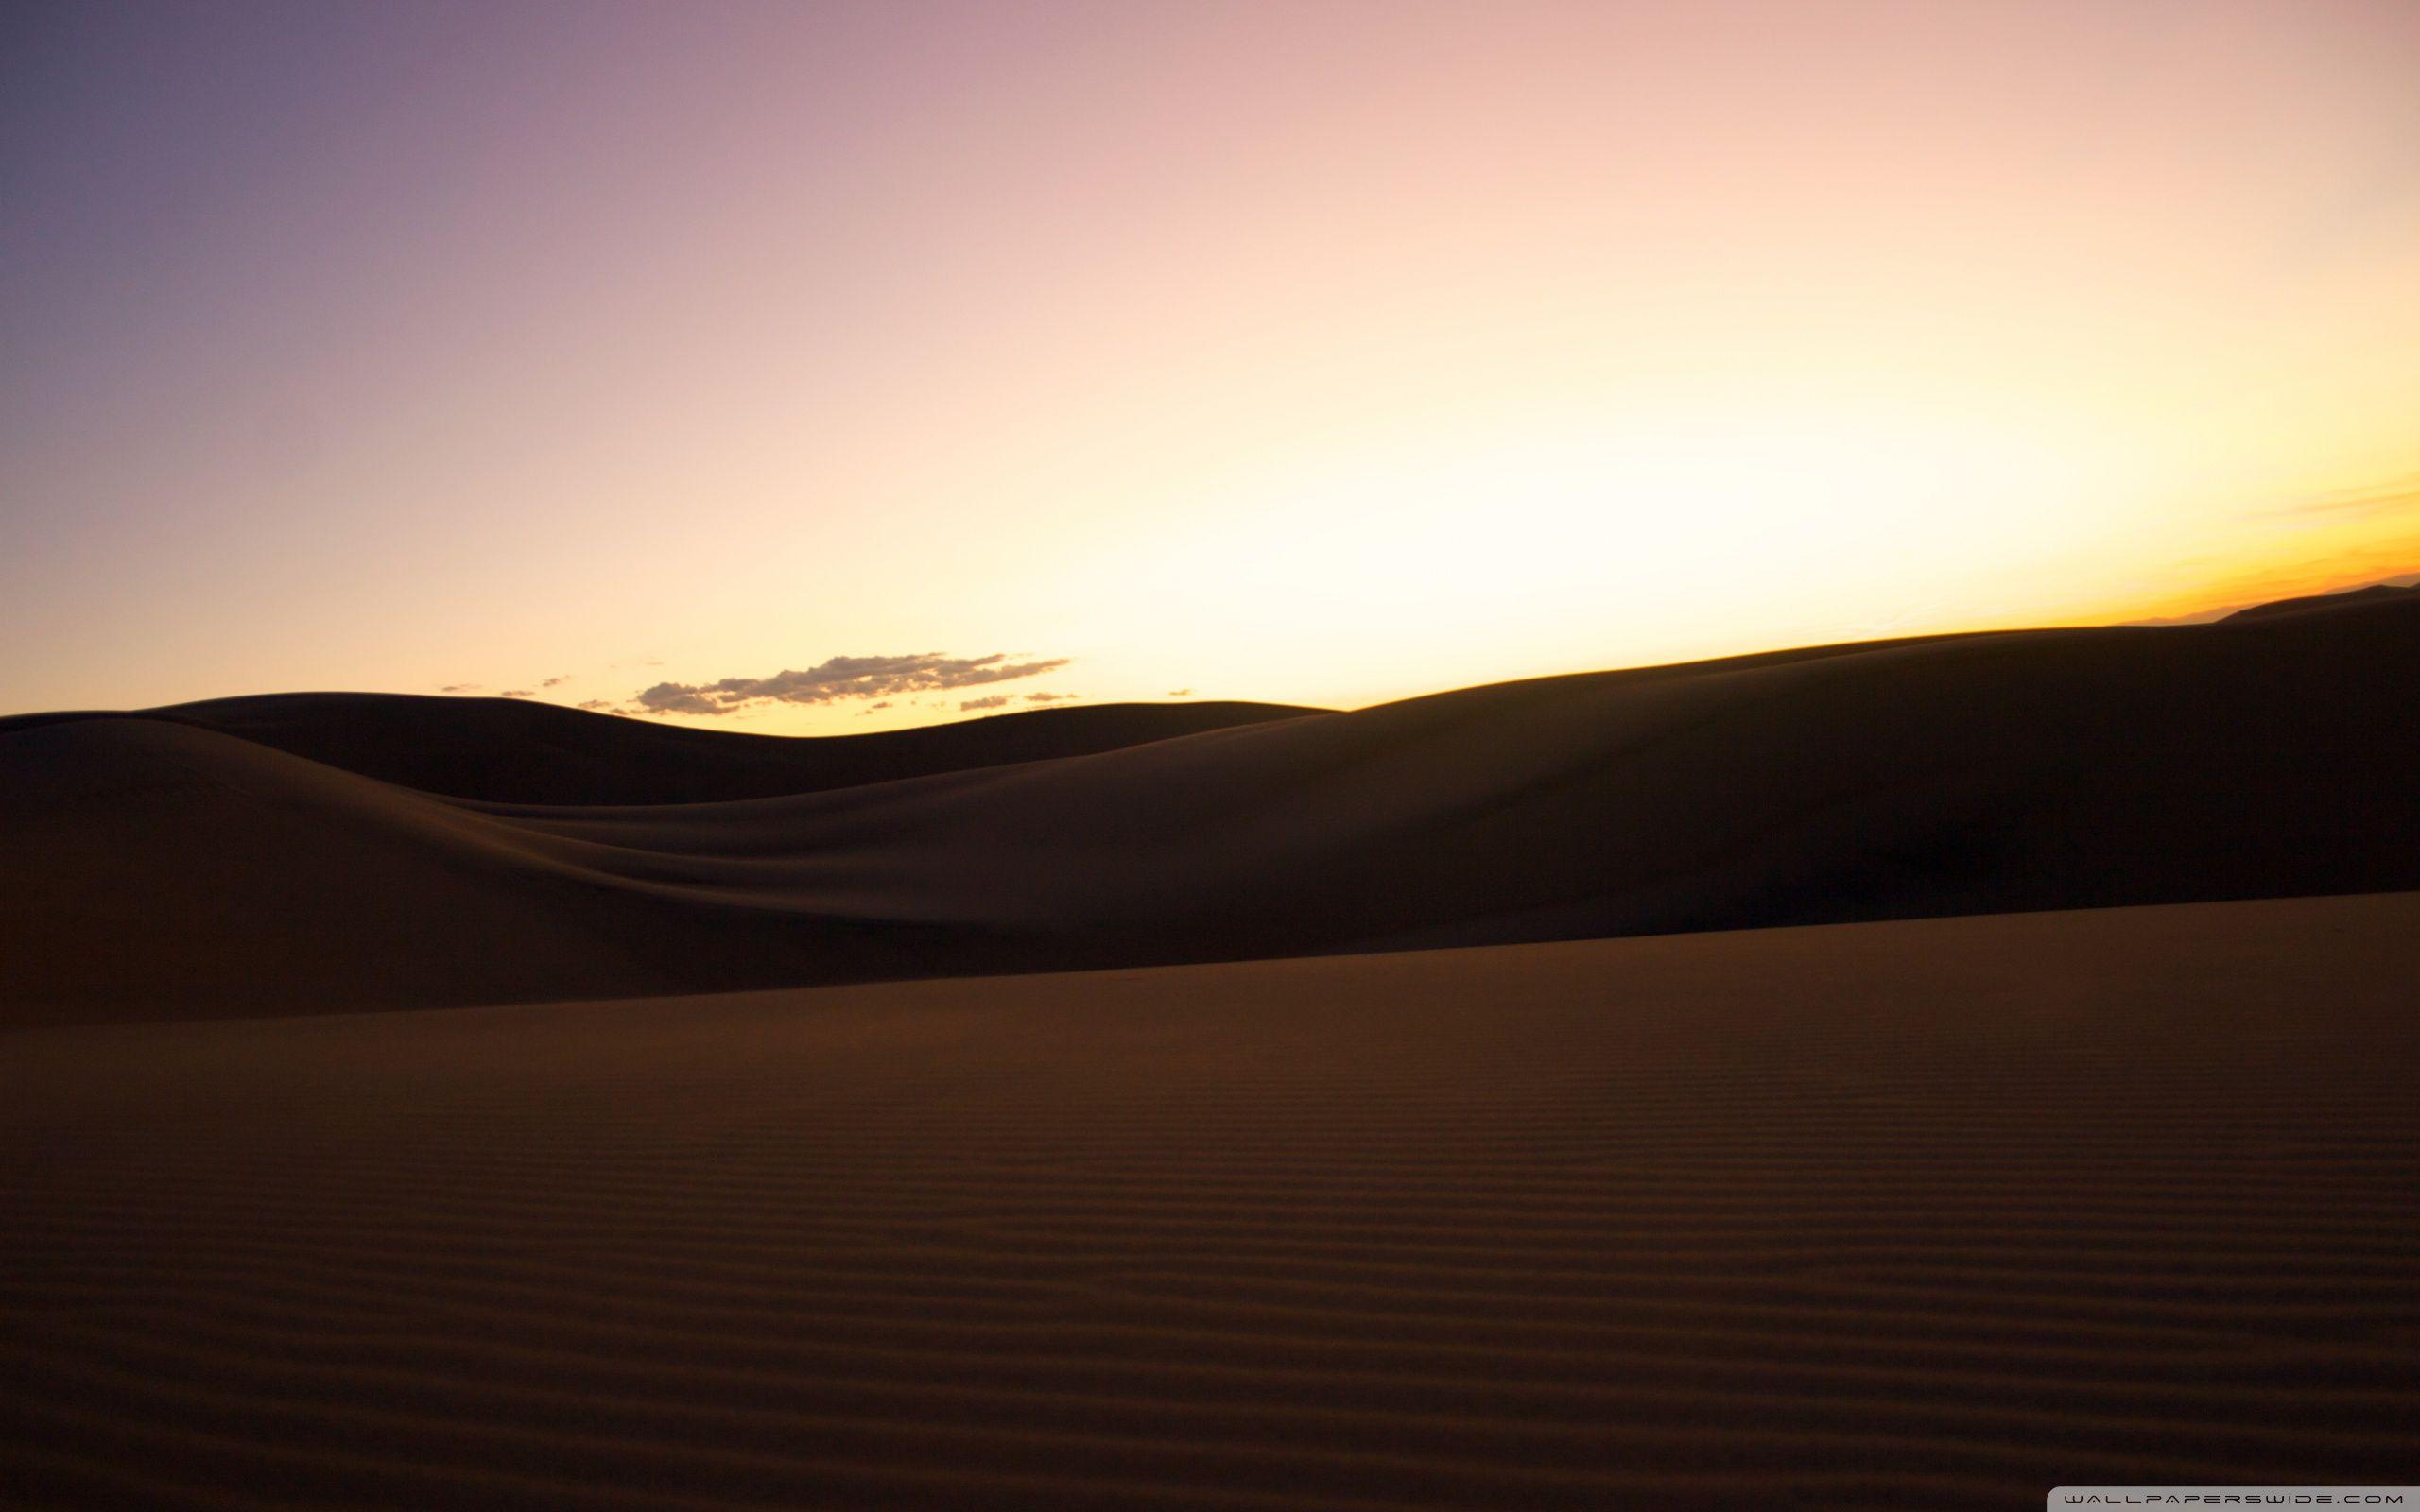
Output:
[[162, 868], [514, 750]]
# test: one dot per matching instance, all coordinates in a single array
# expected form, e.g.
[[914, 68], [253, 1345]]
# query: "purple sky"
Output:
[[1326, 352]]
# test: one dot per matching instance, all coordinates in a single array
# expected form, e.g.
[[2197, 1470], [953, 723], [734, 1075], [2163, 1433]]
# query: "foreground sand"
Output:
[[1929, 1214]]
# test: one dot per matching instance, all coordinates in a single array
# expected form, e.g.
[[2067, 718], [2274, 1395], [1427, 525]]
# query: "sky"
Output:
[[820, 368]]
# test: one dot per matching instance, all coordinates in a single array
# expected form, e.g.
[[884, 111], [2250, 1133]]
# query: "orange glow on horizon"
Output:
[[1327, 354]]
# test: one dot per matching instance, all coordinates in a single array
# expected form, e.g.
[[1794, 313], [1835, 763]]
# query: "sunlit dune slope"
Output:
[[1931, 1215], [159, 869], [515, 751]]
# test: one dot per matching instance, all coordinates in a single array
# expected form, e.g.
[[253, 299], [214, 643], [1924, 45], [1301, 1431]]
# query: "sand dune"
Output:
[[1931, 1215], [516, 751], [2373, 594], [1931, 1212], [162, 868]]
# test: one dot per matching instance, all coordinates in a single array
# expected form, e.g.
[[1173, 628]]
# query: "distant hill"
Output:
[[2286, 606], [2374, 594], [515, 751], [167, 865]]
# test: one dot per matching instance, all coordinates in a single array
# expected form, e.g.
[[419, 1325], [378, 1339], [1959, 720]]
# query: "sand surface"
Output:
[[1926, 1214], [517, 750], [161, 867]]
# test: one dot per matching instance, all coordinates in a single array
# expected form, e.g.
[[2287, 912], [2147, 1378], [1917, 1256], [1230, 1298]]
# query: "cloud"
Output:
[[1180, 693], [556, 683], [517, 692], [2378, 498], [841, 678], [1001, 700], [459, 687], [672, 698], [599, 705]]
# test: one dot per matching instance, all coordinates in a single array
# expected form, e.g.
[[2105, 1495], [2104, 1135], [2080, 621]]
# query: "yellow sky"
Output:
[[1321, 353]]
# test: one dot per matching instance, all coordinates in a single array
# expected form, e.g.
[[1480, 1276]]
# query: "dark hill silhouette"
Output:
[[155, 867], [2374, 594], [514, 750]]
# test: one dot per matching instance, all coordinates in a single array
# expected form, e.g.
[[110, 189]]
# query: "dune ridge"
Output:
[[1931, 1215], [162, 868], [2373, 593], [516, 750]]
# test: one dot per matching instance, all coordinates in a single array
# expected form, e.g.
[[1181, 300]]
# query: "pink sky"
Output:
[[1324, 353]]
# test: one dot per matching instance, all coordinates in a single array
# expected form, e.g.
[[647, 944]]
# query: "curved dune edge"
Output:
[[1929, 1214], [512, 750], [151, 869]]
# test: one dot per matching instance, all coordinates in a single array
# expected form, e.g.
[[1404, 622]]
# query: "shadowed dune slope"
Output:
[[1931, 1215], [514, 750], [156, 867]]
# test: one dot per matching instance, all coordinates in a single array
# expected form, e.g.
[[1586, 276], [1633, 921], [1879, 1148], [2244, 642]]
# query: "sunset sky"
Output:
[[1323, 353]]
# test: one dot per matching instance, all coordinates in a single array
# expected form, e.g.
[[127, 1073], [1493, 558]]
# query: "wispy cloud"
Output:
[[2321, 544], [842, 678], [1001, 700], [459, 687], [556, 683], [518, 692], [2376, 498]]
